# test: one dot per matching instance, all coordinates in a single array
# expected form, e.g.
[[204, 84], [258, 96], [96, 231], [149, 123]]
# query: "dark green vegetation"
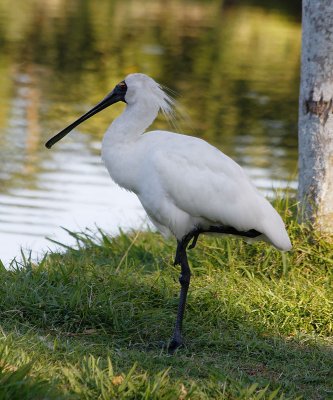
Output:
[[89, 323]]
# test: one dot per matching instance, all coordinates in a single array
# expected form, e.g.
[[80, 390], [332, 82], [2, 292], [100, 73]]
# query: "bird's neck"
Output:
[[135, 119]]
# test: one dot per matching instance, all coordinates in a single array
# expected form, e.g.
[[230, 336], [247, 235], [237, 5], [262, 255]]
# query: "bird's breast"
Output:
[[122, 166]]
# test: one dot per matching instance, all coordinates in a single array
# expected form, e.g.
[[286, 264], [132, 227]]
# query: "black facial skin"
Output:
[[117, 94]]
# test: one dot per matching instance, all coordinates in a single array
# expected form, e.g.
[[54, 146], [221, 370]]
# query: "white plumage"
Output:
[[186, 186], [182, 181]]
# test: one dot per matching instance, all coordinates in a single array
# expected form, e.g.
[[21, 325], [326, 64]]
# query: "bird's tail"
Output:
[[276, 233]]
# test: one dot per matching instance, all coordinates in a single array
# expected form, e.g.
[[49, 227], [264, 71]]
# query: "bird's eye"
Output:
[[122, 85]]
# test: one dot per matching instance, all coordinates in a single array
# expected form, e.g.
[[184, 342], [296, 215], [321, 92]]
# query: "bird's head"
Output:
[[143, 89], [134, 89]]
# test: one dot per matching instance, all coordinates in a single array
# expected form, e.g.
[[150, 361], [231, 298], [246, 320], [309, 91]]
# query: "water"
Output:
[[235, 66]]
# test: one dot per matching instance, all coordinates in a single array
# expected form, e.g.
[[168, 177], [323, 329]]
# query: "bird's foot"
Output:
[[175, 344]]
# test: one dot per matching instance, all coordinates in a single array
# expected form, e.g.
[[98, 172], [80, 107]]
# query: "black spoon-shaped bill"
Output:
[[117, 94]]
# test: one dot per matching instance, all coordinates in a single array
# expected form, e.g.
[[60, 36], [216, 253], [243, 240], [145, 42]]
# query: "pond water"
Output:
[[233, 64]]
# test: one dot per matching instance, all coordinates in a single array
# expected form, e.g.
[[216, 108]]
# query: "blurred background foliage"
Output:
[[235, 63]]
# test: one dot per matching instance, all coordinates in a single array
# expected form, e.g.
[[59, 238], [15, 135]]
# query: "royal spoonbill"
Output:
[[186, 186]]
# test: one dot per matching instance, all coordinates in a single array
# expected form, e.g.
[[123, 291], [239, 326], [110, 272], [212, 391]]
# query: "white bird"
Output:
[[186, 186]]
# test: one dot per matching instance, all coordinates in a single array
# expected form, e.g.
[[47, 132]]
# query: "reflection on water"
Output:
[[234, 63], [73, 190]]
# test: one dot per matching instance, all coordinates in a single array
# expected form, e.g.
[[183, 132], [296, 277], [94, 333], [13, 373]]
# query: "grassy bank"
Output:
[[89, 323]]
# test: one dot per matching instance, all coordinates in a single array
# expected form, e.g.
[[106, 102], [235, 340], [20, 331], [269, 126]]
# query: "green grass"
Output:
[[88, 324]]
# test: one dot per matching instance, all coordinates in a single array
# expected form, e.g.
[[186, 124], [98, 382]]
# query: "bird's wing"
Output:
[[187, 174], [205, 183]]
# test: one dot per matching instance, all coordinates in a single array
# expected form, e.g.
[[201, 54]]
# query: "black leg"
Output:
[[185, 276], [184, 280]]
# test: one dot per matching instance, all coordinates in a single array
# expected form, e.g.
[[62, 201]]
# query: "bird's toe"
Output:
[[174, 345]]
